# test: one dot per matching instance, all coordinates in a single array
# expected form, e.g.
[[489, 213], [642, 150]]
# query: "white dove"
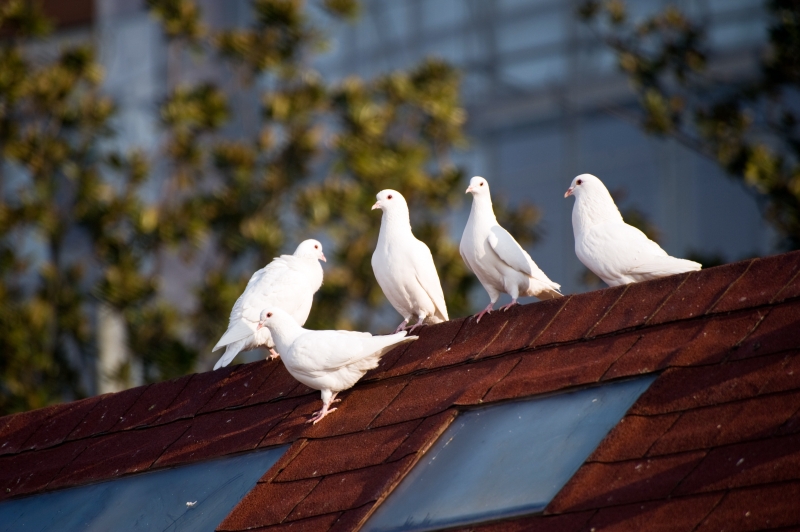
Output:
[[499, 262], [404, 266], [616, 252], [288, 282], [328, 361]]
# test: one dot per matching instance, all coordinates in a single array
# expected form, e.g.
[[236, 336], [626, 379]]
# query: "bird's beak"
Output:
[[568, 193], [259, 325], [376, 206], [322, 257], [469, 189]]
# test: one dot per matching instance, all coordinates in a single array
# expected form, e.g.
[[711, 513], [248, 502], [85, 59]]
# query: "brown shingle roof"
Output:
[[715, 440]]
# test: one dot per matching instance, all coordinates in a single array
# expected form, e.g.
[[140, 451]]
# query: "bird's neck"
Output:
[[395, 222], [594, 210], [284, 334], [482, 209]]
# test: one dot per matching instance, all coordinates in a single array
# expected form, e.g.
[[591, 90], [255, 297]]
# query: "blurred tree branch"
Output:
[[79, 228], [748, 127]]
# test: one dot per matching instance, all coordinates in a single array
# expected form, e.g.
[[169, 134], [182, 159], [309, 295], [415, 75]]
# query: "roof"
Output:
[[714, 441]]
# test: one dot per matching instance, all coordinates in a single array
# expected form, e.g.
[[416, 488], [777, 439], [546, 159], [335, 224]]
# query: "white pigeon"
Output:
[[404, 266], [288, 282], [328, 361], [616, 252], [499, 262]]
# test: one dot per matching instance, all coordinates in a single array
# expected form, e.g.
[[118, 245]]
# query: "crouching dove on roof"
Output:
[[496, 259], [328, 361], [289, 282], [616, 252], [404, 266]]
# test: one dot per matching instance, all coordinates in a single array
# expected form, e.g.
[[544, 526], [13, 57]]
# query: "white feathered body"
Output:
[[616, 252], [498, 261], [331, 361], [289, 283], [406, 273]]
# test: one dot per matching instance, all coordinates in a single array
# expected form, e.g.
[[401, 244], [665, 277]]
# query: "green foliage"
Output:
[[309, 165], [749, 127], [60, 192]]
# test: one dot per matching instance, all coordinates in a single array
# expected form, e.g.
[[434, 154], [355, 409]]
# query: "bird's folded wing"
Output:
[[633, 239], [326, 351], [509, 250], [245, 312], [278, 285], [428, 278]]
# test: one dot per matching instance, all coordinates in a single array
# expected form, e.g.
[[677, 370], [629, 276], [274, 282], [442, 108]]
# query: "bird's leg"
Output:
[[273, 354], [401, 327], [418, 324], [334, 399], [487, 310], [321, 414], [513, 302]]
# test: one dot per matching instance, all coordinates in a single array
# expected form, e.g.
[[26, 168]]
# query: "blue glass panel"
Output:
[[505, 460], [150, 501]]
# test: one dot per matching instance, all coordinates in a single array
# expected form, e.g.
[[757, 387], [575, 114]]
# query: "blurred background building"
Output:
[[545, 102], [544, 96]]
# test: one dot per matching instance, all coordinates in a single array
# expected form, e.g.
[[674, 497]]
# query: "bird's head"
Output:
[[584, 184], [478, 186], [310, 249], [389, 200], [272, 316]]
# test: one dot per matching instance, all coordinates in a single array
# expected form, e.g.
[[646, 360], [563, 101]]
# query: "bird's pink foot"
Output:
[[418, 324], [487, 310], [506, 307], [273, 354], [321, 414], [401, 327]]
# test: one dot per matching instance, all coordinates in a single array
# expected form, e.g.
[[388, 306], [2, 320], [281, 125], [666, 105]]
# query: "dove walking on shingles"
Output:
[[499, 262], [288, 282], [404, 266], [616, 252], [328, 361]]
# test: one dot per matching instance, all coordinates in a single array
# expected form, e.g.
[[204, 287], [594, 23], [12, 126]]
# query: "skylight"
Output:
[[505, 460], [196, 497]]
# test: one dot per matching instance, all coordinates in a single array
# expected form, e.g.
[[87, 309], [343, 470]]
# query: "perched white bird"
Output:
[[616, 252], [404, 266], [499, 262], [328, 361], [288, 282]]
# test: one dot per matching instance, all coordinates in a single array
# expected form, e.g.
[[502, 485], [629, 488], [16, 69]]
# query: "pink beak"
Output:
[[568, 193], [259, 325], [322, 258], [469, 189], [376, 206]]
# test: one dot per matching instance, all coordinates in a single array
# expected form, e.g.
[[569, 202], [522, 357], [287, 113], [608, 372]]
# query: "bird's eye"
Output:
[[481, 184], [316, 246], [579, 182], [389, 196], [269, 314]]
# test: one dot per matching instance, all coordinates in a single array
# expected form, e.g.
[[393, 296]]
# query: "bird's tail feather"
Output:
[[542, 290], [371, 361], [230, 353], [238, 330], [656, 267], [550, 293]]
